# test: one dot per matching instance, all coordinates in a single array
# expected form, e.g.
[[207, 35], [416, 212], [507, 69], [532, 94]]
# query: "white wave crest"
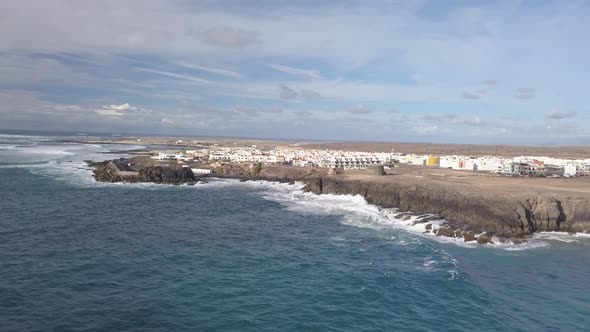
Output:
[[563, 237], [357, 212]]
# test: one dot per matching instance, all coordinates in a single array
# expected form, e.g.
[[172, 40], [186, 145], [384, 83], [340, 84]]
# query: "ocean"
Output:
[[76, 255]]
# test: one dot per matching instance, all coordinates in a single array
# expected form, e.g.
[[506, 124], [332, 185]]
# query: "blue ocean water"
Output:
[[76, 255]]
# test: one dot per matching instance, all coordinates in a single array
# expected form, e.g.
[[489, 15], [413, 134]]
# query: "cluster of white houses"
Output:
[[299, 157]]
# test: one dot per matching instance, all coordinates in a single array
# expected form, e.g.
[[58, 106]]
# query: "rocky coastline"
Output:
[[470, 216], [466, 215], [112, 171]]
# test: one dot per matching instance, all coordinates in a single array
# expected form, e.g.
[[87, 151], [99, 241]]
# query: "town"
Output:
[[537, 166]]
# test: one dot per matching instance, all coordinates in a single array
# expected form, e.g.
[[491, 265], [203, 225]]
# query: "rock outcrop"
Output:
[[471, 214], [108, 171], [276, 173], [505, 216], [170, 175]]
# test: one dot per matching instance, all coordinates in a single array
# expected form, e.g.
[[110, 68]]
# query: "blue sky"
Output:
[[491, 72]]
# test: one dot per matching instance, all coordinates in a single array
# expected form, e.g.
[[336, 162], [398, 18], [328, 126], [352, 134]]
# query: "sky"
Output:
[[473, 72]]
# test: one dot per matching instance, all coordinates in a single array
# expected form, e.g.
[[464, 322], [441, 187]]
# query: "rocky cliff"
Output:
[[276, 173], [106, 172], [468, 211], [505, 216]]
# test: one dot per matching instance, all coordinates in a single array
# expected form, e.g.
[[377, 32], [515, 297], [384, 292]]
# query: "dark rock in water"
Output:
[[110, 171], [428, 219], [172, 175], [508, 216], [444, 231], [515, 215], [428, 227], [484, 239], [469, 237], [103, 172], [91, 163], [424, 219]]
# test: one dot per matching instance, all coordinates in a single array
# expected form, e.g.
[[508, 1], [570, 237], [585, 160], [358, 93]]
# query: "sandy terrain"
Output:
[[469, 181]]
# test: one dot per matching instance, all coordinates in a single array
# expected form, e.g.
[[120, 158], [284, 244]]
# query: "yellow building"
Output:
[[433, 161]]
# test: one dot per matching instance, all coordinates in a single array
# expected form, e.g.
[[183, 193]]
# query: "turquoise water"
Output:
[[226, 256]]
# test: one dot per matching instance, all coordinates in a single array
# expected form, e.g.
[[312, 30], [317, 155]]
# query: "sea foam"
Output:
[[355, 211]]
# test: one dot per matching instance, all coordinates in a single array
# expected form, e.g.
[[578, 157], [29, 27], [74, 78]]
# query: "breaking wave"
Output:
[[68, 165], [355, 211]]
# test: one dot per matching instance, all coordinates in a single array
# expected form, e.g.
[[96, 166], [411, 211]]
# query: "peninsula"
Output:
[[475, 206]]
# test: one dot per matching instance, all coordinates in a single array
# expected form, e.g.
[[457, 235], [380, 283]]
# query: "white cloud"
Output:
[[19, 69], [360, 109], [470, 95], [524, 93], [287, 92], [340, 55], [122, 110], [302, 73], [217, 71], [176, 75], [229, 37], [310, 94], [425, 129]]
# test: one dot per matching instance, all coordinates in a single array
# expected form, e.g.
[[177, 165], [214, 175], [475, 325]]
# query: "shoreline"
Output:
[[469, 214]]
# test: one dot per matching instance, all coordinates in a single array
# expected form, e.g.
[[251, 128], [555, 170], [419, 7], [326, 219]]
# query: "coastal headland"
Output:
[[475, 206]]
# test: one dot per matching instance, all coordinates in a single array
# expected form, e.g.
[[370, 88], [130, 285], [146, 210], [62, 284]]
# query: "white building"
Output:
[[172, 156], [201, 171]]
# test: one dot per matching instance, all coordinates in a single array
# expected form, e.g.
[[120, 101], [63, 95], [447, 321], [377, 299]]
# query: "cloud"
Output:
[[27, 68], [448, 120], [229, 37], [524, 93], [425, 129], [470, 95], [472, 121], [302, 73], [217, 71], [287, 92], [437, 117], [255, 112], [558, 115], [360, 109], [121, 110], [310, 94], [337, 51], [175, 75]]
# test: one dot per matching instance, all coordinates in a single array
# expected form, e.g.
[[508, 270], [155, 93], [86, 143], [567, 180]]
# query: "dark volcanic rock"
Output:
[[107, 171], [171, 175], [444, 231], [469, 237], [514, 215], [484, 239], [506, 216], [103, 172]]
